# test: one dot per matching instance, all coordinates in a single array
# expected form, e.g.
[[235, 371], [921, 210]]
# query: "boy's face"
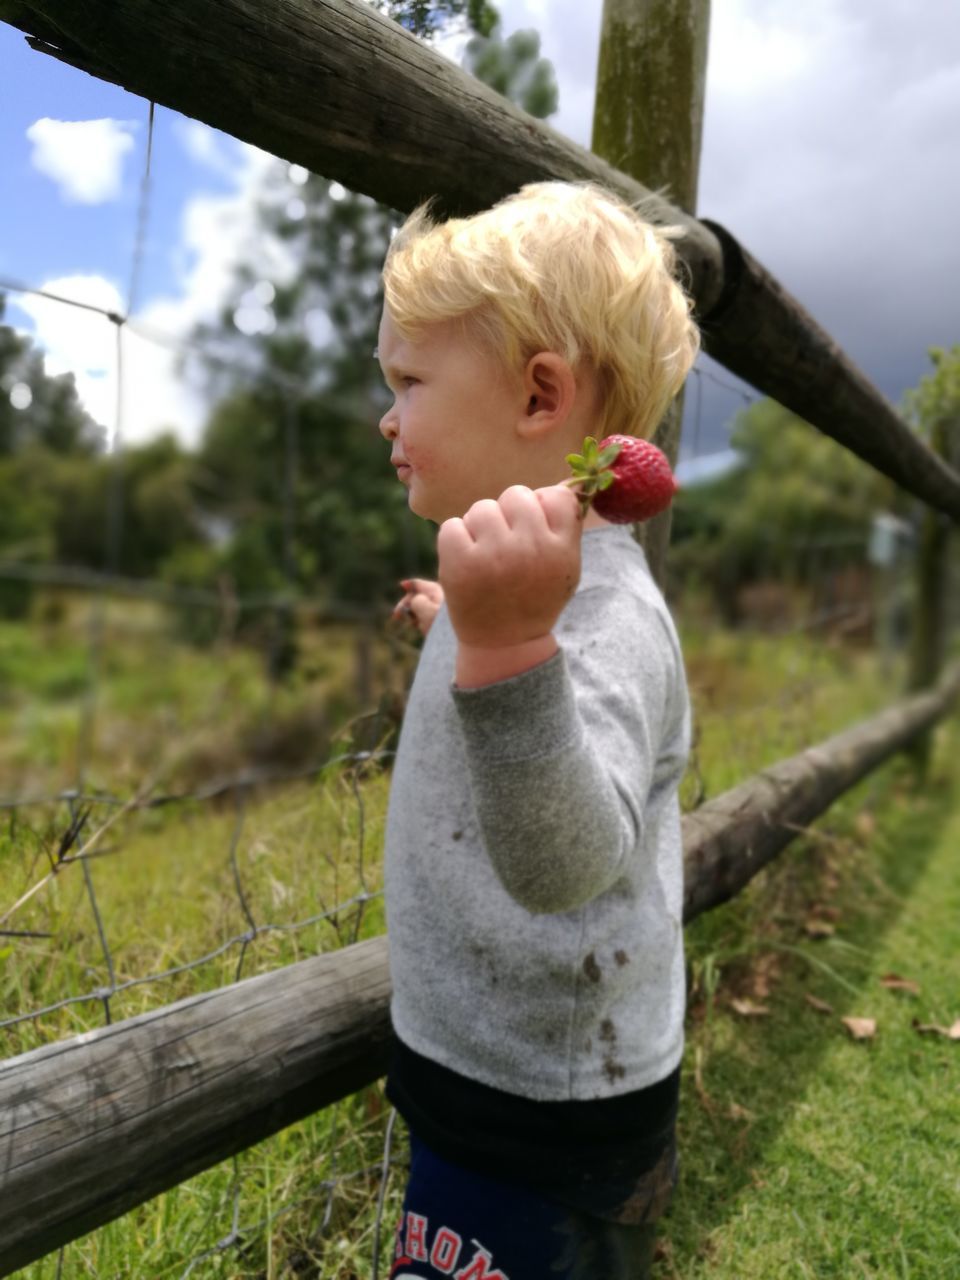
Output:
[[452, 426]]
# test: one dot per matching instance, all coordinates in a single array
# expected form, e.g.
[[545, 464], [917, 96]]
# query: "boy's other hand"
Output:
[[420, 604], [508, 567]]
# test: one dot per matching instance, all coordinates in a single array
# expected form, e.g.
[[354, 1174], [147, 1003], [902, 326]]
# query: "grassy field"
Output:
[[805, 1152], [809, 1153]]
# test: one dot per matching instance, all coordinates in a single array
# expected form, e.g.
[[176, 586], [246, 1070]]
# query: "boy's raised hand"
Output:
[[508, 567], [420, 604]]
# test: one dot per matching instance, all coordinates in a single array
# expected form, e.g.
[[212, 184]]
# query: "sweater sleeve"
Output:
[[562, 758]]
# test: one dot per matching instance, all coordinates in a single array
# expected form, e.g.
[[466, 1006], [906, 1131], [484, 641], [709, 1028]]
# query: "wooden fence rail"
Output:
[[336, 87], [90, 1127]]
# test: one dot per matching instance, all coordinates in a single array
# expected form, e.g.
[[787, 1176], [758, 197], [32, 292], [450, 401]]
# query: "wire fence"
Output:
[[257, 825], [66, 830]]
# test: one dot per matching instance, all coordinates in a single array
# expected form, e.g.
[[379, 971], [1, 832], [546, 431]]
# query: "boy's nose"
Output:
[[388, 425]]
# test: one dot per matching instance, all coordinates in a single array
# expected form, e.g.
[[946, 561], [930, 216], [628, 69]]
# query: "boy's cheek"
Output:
[[425, 466]]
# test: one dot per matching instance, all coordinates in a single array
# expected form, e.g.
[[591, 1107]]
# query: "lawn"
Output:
[[805, 1152], [808, 1152]]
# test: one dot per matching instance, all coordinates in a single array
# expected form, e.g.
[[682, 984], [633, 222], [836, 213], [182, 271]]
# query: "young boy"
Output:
[[533, 855]]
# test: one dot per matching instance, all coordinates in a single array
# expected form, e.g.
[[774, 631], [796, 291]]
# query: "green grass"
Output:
[[807, 1153], [784, 1117]]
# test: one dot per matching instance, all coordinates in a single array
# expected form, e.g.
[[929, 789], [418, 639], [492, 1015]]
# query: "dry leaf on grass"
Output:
[[663, 1250], [814, 1002], [865, 824], [932, 1028], [736, 1112], [749, 1008], [815, 928], [764, 972], [861, 1028], [893, 982]]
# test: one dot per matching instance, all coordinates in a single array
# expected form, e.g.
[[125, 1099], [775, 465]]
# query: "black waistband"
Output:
[[550, 1144]]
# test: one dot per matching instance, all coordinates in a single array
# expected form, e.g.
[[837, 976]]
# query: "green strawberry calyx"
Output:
[[592, 471]]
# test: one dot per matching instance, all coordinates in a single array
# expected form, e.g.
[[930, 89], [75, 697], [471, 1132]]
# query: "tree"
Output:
[[795, 493], [36, 409], [427, 18], [933, 406], [515, 69], [42, 425]]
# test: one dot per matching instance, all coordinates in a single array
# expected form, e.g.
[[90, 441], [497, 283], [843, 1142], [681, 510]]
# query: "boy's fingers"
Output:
[[422, 611], [484, 519], [520, 508], [561, 506], [453, 539], [422, 586]]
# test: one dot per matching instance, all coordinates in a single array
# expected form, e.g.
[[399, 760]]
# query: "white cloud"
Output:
[[205, 146], [216, 233], [79, 341], [84, 343], [83, 157]]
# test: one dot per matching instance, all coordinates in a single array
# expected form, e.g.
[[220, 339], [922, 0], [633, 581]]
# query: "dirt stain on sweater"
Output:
[[613, 1069]]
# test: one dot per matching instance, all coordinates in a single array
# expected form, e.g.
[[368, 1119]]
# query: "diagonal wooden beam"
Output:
[[728, 840], [336, 87], [92, 1126]]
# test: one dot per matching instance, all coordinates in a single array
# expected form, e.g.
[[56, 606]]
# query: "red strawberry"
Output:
[[626, 479]]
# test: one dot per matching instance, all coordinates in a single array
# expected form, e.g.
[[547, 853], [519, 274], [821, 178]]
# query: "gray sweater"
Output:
[[533, 863]]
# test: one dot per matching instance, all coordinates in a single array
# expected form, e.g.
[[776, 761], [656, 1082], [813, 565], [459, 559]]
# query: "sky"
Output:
[[830, 151]]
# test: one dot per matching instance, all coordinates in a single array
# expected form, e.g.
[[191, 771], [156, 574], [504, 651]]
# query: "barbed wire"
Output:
[[82, 578], [155, 589], [258, 776], [701, 375], [105, 993], [212, 354], [748, 397], [237, 1234]]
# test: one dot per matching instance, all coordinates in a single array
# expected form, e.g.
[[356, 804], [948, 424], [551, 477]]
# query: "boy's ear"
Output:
[[549, 389]]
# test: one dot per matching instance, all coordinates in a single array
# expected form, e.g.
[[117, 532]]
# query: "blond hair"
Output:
[[563, 267]]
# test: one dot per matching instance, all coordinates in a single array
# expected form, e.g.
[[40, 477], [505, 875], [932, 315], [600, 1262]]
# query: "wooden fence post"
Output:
[[931, 605], [648, 123]]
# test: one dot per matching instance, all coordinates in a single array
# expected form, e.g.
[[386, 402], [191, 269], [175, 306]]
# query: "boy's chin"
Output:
[[420, 505], [430, 506], [423, 508]]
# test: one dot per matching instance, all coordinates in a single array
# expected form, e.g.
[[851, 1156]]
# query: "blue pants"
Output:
[[469, 1226]]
